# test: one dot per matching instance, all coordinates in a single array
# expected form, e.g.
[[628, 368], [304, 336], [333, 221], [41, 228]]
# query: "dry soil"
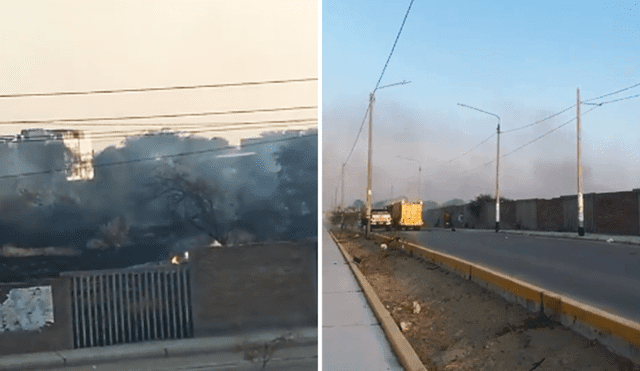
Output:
[[455, 324]]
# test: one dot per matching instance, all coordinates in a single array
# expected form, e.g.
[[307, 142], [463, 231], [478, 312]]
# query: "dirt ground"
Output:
[[455, 324]]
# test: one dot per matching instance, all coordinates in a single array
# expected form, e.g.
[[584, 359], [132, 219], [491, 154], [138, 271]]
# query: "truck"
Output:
[[406, 215], [379, 218]]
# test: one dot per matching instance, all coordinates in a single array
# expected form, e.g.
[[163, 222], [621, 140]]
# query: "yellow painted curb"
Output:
[[607, 323], [401, 347]]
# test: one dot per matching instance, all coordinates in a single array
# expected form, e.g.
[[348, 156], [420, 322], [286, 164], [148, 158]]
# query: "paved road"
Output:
[[605, 275], [292, 359]]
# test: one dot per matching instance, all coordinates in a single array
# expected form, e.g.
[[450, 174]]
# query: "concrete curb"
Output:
[[403, 350], [155, 349], [619, 334]]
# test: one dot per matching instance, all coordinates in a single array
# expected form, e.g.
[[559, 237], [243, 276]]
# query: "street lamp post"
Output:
[[369, 197], [497, 166], [419, 175], [342, 201]]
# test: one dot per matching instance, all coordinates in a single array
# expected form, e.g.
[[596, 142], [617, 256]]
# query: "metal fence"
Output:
[[130, 305]]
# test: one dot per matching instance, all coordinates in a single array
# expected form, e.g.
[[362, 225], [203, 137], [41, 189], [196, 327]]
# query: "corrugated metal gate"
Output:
[[130, 305]]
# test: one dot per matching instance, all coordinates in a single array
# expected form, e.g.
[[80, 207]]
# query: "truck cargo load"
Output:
[[407, 215]]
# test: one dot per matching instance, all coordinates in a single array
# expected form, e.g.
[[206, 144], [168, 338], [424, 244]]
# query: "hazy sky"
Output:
[[521, 61], [48, 46]]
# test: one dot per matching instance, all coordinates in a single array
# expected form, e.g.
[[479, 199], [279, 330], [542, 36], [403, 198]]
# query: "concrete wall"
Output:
[[56, 336], [549, 215], [526, 215], [507, 215], [605, 213], [251, 286], [570, 213], [616, 213], [588, 212]]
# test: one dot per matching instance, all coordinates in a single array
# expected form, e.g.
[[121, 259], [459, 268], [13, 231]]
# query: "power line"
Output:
[[615, 100], [192, 114], [536, 139], [394, 46], [139, 90], [539, 121], [485, 164], [478, 145], [573, 106], [548, 132], [615, 92], [183, 154], [184, 126], [199, 128], [358, 136], [378, 83]]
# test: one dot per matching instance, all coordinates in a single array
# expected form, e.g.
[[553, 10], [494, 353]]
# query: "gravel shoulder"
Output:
[[455, 324]]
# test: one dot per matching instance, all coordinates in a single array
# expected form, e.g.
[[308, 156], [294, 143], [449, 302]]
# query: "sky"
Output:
[[100, 45], [520, 61]]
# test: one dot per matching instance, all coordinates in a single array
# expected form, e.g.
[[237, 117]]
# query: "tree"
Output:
[[430, 205], [297, 191], [454, 202], [358, 204], [194, 201]]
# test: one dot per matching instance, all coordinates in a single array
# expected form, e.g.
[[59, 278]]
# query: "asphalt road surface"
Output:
[[290, 359], [604, 275]]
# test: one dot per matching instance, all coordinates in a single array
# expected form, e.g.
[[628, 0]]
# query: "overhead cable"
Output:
[[156, 158], [166, 88], [394, 46], [174, 115]]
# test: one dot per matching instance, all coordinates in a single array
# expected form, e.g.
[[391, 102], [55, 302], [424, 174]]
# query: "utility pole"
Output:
[[335, 200], [342, 202], [368, 196], [420, 182], [580, 200], [497, 186], [497, 166]]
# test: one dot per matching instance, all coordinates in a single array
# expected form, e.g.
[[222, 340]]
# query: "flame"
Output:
[[174, 260]]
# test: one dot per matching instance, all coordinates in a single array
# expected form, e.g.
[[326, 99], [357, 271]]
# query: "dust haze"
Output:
[[544, 169]]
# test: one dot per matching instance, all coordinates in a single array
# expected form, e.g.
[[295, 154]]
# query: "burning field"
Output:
[[150, 199]]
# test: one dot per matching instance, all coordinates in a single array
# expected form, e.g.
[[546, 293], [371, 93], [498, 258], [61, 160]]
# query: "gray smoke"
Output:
[[543, 169], [270, 194]]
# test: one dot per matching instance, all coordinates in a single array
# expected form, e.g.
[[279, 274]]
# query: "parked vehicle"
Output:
[[380, 218], [406, 215]]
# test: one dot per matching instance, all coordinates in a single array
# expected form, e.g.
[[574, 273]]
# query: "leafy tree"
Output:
[[430, 205], [358, 204], [192, 201], [297, 191], [454, 202]]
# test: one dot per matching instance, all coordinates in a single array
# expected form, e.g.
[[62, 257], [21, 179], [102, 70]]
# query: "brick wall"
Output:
[[57, 336], [616, 213], [245, 287], [605, 213]]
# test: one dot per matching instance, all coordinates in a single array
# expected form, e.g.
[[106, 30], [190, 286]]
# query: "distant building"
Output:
[[79, 162]]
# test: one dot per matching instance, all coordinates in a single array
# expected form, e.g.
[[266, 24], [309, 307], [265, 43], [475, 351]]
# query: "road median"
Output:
[[619, 334]]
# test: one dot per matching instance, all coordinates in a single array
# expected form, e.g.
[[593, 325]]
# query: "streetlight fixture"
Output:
[[419, 174], [372, 99], [497, 165]]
